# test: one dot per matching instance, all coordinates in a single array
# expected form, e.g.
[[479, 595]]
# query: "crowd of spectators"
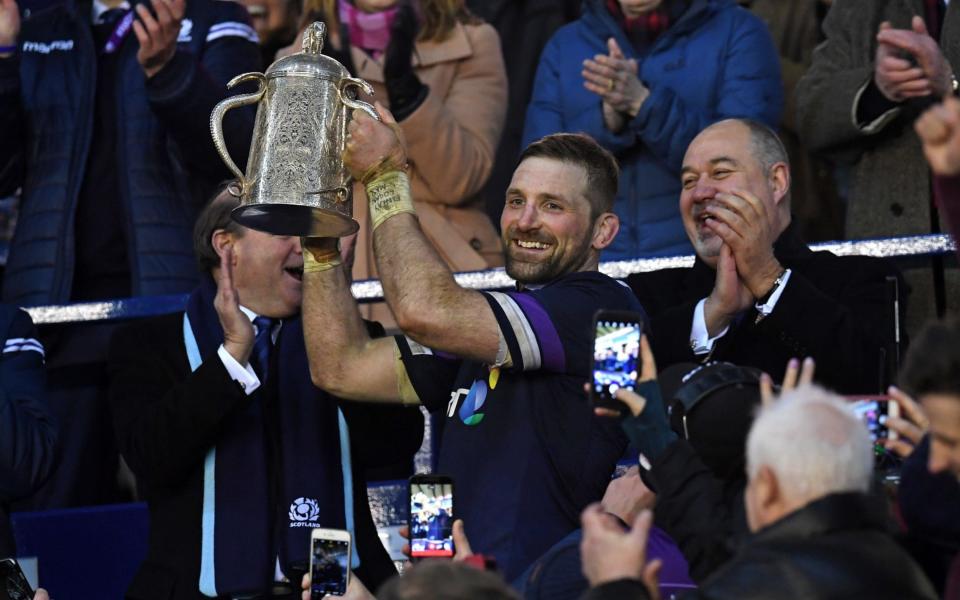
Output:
[[543, 137]]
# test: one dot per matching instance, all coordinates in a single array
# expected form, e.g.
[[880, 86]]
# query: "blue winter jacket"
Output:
[[715, 61], [167, 163]]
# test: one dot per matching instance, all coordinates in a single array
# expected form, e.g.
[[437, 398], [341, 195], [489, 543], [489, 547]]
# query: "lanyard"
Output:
[[120, 32]]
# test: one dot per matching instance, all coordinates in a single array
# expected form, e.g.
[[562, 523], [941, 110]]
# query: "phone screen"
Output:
[[13, 585], [431, 519], [616, 353], [329, 563], [873, 412]]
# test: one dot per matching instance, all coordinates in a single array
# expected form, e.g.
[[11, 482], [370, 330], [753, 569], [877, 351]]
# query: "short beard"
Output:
[[556, 267]]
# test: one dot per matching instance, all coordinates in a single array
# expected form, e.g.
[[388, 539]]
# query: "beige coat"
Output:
[[451, 140]]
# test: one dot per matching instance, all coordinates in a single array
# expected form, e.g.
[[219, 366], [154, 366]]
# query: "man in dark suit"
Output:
[[757, 295], [238, 455]]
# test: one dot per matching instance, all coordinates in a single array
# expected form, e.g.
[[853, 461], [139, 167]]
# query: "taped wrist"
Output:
[[389, 195], [319, 257]]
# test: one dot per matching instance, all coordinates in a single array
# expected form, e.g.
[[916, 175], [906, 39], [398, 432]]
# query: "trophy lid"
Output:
[[309, 62]]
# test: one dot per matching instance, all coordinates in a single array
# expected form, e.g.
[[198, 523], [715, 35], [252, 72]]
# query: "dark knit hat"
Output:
[[712, 406]]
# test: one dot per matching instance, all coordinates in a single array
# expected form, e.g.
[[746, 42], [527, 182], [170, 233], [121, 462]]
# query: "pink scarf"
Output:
[[368, 31]]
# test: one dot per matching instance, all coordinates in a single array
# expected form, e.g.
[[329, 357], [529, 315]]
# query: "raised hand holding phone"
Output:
[[14, 584], [355, 589], [157, 33], [616, 357], [330, 551], [907, 428], [431, 517]]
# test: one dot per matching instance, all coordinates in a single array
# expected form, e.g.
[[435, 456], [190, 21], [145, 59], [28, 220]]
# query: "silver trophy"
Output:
[[296, 183]]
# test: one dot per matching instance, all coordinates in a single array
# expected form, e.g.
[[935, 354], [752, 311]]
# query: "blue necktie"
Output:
[[262, 344]]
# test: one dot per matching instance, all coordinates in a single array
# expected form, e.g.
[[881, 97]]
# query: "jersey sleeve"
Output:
[[431, 374], [550, 328]]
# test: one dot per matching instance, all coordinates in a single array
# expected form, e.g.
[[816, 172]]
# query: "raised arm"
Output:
[[344, 359], [429, 305], [185, 86]]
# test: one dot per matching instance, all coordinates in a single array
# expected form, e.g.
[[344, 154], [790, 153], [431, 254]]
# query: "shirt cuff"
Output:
[[766, 309], [700, 340], [245, 376], [875, 125]]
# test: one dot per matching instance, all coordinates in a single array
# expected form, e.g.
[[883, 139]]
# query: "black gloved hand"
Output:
[[343, 54], [404, 89]]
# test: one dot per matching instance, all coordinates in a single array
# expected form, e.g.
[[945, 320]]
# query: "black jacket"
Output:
[[167, 164], [835, 309], [166, 418], [704, 515], [27, 431], [833, 548]]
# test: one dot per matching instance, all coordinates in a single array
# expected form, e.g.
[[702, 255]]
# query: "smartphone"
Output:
[[431, 516], [616, 355], [13, 583], [329, 562], [874, 411]]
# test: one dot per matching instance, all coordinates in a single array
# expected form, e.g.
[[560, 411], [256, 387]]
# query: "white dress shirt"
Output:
[[700, 341]]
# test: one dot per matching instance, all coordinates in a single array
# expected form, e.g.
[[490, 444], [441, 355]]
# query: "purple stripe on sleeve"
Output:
[[551, 349]]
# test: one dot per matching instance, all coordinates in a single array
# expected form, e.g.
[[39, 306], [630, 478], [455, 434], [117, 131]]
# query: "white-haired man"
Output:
[[816, 531]]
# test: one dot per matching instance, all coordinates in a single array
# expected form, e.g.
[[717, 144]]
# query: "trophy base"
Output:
[[295, 219]]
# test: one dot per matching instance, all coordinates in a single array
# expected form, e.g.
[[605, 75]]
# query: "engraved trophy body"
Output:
[[296, 183]]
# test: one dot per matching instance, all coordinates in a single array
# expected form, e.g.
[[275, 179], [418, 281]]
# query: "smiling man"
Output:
[[237, 454], [504, 370], [756, 295]]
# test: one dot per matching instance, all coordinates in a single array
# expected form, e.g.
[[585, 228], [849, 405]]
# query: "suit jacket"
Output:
[[834, 309], [167, 417]]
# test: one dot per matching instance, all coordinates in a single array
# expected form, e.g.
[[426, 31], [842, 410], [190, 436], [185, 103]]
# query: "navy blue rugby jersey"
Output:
[[521, 442]]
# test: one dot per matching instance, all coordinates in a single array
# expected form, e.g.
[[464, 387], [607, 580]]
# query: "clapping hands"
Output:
[[238, 335], [614, 78], [909, 63]]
